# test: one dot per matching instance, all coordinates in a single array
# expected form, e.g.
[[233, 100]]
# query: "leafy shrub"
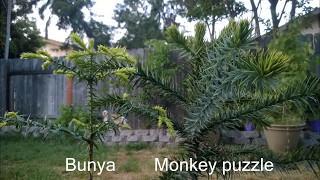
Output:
[[69, 113]]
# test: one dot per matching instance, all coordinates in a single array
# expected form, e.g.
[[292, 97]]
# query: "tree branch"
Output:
[[282, 12]]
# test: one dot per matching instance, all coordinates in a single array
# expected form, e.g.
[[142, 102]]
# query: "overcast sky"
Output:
[[104, 11]]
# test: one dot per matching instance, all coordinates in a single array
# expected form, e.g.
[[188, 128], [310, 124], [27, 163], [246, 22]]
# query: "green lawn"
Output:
[[33, 158]]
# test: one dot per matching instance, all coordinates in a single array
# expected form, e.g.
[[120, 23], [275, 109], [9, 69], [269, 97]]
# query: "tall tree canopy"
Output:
[[24, 34], [210, 11], [142, 20], [70, 15]]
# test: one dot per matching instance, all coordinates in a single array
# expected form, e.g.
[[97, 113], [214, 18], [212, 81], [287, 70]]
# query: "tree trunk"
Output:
[[91, 158], [255, 17], [293, 9], [8, 29], [47, 26], [274, 16], [91, 139], [91, 109], [213, 26]]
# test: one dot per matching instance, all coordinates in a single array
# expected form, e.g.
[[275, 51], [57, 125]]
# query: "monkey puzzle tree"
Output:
[[227, 82]]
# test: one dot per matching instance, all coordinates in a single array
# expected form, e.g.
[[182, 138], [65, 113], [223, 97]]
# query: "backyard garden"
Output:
[[232, 107]]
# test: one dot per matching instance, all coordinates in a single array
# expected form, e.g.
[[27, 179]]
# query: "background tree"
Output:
[[234, 8], [24, 33], [276, 17], [98, 31], [70, 15], [169, 14], [254, 9], [297, 48], [24, 37], [210, 11], [8, 29], [303, 5], [207, 11], [141, 19]]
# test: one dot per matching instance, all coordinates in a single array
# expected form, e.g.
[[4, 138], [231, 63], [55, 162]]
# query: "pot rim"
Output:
[[286, 127]]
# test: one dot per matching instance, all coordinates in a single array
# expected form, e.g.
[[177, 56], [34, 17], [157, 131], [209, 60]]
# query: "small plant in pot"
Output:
[[284, 132]]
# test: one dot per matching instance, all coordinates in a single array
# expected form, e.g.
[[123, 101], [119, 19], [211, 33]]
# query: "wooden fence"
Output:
[[27, 88]]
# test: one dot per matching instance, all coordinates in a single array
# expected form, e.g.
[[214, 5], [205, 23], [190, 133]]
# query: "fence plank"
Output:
[[3, 86]]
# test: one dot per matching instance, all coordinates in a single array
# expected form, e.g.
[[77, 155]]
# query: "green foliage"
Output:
[[124, 105], [98, 31], [227, 82], [70, 14], [210, 11], [299, 52], [286, 117], [70, 114], [89, 66], [158, 58], [262, 70], [141, 24], [158, 61], [24, 34], [163, 119]]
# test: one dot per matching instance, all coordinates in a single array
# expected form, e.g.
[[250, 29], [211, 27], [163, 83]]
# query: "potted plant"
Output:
[[284, 132]]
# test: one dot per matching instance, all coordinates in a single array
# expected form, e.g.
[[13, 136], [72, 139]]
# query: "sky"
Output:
[[104, 10]]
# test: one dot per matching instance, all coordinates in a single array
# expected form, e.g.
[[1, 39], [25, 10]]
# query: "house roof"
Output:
[[313, 14], [55, 42]]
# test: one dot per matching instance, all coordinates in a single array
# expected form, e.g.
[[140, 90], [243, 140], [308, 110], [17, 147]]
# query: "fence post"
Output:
[[3, 86], [69, 91]]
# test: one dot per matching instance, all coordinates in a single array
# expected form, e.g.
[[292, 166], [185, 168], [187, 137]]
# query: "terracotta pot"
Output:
[[283, 138]]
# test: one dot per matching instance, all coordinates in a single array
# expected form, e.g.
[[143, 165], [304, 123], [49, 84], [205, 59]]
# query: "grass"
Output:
[[29, 158], [32, 158], [131, 165]]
